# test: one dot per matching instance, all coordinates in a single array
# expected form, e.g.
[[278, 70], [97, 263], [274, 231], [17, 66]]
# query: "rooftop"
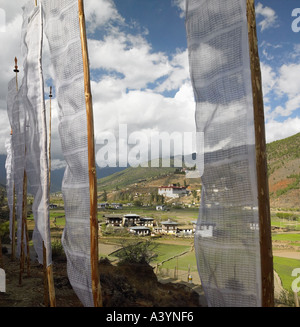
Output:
[[169, 222]]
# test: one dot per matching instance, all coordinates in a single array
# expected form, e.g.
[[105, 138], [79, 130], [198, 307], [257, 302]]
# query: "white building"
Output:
[[172, 191], [169, 227], [139, 230], [147, 222], [131, 219], [161, 207]]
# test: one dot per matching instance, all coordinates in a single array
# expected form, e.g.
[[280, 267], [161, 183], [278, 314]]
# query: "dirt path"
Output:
[[287, 254]]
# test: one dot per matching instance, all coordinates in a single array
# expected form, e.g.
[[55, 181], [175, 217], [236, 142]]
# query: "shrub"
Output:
[[137, 252], [4, 232], [57, 249]]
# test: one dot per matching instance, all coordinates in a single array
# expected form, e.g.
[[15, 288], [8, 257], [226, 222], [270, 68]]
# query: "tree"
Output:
[[136, 252], [104, 196], [194, 193]]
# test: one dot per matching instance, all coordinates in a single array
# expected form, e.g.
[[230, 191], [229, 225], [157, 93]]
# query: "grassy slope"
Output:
[[284, 172], [131, 176]]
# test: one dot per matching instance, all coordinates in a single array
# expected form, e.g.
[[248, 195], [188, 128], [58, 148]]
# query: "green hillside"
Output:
[[131, 176], [284, 172], [282, 151]]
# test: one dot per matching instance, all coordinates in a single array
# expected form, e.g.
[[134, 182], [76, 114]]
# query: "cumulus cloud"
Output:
[[131, 81], [276, 130], [130, 56], [269, 17], [289, 80], [181, 5], [101, 12]]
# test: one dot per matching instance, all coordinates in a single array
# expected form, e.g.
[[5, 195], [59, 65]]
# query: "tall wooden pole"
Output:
[[267, 274], [24, 215], [96, 288], [13, 225], [49, 270], [49, 151]]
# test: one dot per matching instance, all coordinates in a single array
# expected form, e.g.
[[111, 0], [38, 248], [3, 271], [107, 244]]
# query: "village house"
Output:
[[103, 205], [157, 230], [185, 231], [140, 230], [114, 220], [147, 222], [161, 208], [131, 219], [169, 227], [117, 205], [172, 191]]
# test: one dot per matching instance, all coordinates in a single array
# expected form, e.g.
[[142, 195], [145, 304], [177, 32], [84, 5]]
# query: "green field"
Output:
[[166, 251], [286, 237], [183, 262], [284, 268]]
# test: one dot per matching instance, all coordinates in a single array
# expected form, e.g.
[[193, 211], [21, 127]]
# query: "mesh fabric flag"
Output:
[[18, 149], [9, 165], [36, 131], [63, 34], [227, 235], [9, 181]]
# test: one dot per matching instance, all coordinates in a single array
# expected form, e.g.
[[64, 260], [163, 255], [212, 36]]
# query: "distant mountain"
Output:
[[283, 167]]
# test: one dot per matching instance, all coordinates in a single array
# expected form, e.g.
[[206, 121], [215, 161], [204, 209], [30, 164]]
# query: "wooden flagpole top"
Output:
[[16, 65]]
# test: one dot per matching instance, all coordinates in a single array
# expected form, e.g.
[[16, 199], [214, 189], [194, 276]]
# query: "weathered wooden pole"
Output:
[[46, 284], [24, 214], [13, 225], [96, 288], [49, 270], [49, 143], [266, 255]]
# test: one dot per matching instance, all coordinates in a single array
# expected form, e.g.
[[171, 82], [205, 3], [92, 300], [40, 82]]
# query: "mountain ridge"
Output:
[[283, 173]]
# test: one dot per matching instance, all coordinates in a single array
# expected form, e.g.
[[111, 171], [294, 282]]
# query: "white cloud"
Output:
[[181, 5], [57, 164], [269, 17], [289, 80], [269, 79], [178, 73], [99, 13], [276, 130], [130, 56]]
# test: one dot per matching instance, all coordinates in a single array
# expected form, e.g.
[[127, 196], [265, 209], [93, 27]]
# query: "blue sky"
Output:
[[139, 66], [161, 25]]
